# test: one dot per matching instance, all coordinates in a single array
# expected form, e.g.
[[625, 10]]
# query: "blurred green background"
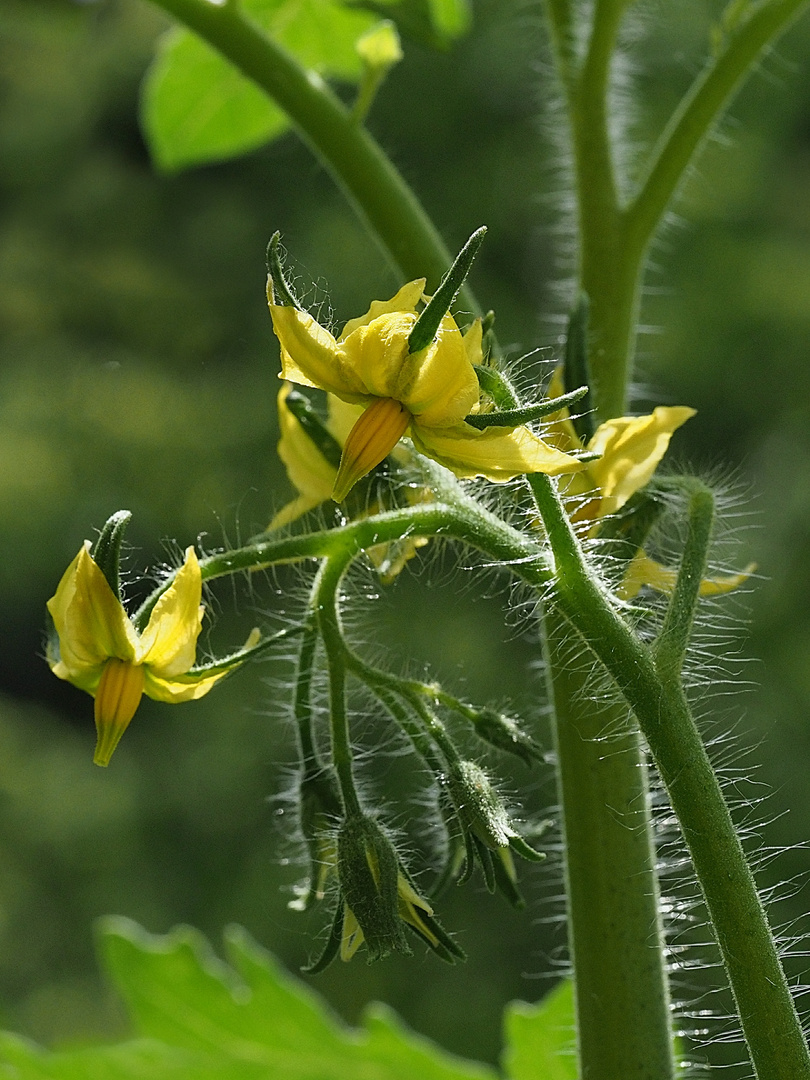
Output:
[[139, 371]]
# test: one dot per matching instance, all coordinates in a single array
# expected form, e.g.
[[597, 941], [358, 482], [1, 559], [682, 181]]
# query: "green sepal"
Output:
[[504, 733], [526, 851], [496, 384], [485, 861], [279, 291], [527, 413], [368, 869], [106, 551], [332, 947], [577, 370], [427, 325], [313, 426]]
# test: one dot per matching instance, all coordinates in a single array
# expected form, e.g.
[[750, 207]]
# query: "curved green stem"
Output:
[[325, 590], [360, 167], [707, 98]]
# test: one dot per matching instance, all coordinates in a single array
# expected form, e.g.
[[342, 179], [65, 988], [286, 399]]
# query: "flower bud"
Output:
[[487, 829], [504, 733], [368, 869], [320, 810]]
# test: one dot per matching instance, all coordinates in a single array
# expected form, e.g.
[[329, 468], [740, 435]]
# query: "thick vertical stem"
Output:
[[615, 937]]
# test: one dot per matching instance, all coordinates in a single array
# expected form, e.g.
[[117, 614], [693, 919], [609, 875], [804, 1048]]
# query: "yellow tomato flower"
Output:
[[100, 650], [630, 449], [426, 394]]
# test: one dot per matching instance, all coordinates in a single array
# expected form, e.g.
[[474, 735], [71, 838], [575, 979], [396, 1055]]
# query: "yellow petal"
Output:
[[169, 642], [499, 454], [406, 299], [437, 384], [91, 623], [372, 438], [294, 510], [186, 687], [117, 698], [341, 417], [642, 570], [631, 448], [310, 355], [307, 468], [473, 341]]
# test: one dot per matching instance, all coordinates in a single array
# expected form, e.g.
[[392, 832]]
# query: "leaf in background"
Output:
[[138, 1059], [196, 107], [540, 1038], [256, 1021], [435, 23]]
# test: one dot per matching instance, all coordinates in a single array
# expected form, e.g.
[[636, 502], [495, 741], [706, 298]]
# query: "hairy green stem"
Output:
[[738, 49], [615, 937], [325, 590], [363, 171], [767, 1013], [580, 602]]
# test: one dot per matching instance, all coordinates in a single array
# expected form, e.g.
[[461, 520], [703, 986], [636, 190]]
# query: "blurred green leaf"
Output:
[[257, 1016], [197, 107], [201, 1020], [540, 1038]]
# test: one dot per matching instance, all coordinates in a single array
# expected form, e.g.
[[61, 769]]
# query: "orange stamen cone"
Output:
[[117, 699], [372, 438]]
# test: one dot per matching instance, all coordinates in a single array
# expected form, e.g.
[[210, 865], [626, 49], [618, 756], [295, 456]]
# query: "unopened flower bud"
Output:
[[368, 870], [320, 810], [487, 829]]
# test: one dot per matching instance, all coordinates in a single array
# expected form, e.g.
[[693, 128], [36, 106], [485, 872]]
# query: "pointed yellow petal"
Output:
[[406, 299], [631, 448], [499, 454], [438, 383], [310, 355], [473, 343], [169, 642], [184, 687], [642, 570], [295, 509], [306, 466], [371, 439], [91, 623], [117, 698]]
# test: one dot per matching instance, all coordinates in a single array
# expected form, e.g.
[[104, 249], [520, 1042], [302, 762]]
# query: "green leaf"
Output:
[[254, 1016], [139, 1059], [540, 1038], [200, 1019], [196, 107]]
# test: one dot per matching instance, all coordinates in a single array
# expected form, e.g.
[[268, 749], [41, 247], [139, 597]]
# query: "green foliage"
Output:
[[198, 1019], [198, 108], [539, 1038]]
